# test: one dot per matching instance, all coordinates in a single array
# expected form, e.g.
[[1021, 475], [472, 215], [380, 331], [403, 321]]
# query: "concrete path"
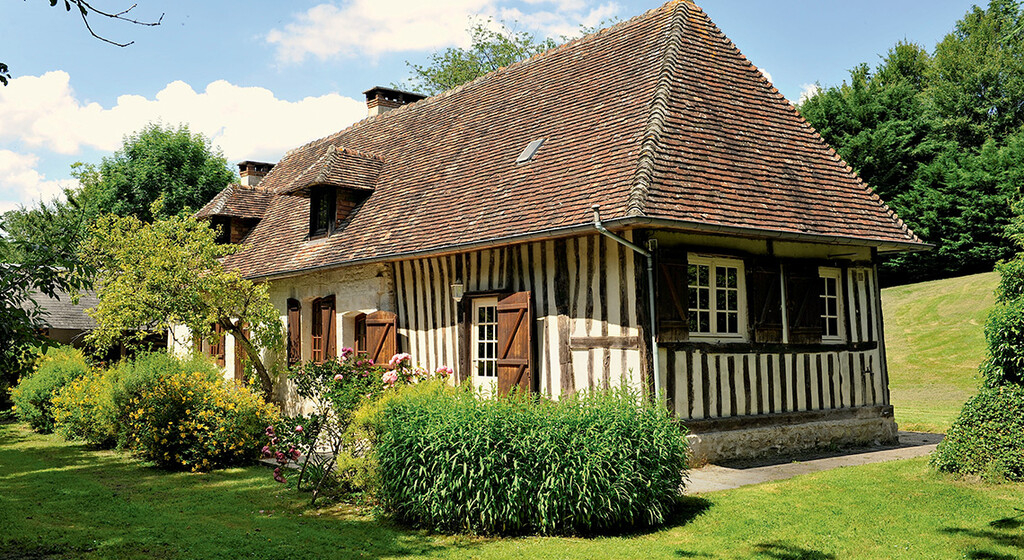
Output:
[[715, 477]]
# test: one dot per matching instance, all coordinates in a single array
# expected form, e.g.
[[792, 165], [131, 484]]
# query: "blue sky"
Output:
[[262, 77]]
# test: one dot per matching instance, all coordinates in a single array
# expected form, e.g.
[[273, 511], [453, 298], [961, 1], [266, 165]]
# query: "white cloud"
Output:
[[808, 91], [246, 122], [22, 184], [767, 75], [368, 28]]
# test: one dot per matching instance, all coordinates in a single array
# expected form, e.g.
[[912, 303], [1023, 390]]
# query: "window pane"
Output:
[[732, 300], [730, 277], [691, 275], [702, 275], [720, 296], [734, 323], [723, 322], [705, 298], [720, 280], [704, 321]]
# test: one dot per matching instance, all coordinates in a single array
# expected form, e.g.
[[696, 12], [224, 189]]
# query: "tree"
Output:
[[939, 137], [976, 81], [28, 266], [493, 45], [180, 167], [84, 10], [168, 272]]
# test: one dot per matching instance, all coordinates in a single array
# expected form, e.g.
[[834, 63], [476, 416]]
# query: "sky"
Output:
[[263, 76]]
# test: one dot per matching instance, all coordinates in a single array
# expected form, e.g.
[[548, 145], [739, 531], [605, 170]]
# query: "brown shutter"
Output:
[[294, 332], [803, 292], [330, 332], [381, 338], [217, 348], [764, 298], [672, 302], [515, 363], [240, 357]]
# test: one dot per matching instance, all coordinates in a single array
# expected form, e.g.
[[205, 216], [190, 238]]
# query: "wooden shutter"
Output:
[[294, 332], [764, 299], [515, 359], [803, 292], [672, 301], [381, 337], [240, 357], [329, 330]]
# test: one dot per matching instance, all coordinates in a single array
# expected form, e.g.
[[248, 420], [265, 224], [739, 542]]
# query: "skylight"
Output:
[[530, 150]]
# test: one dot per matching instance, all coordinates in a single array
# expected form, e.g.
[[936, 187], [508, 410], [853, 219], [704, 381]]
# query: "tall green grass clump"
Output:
[[596, 462], [33, 396]]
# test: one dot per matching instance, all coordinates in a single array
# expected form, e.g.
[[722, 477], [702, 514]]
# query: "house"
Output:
[[65, 321], [639, 200]]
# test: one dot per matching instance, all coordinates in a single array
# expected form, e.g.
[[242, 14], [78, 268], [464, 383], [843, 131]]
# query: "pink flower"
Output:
[[338, 377], [278, 476], [298, 429], [280, 457], [389, 377], [444, 371], [346, 352], [397, 359], [270, 431], [266, 451], [295, 454]]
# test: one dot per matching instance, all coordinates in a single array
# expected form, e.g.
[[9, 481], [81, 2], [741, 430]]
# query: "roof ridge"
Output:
[[644, 175]]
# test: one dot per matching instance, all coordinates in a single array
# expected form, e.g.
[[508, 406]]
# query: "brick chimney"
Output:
[[252, 172], [380, 99]]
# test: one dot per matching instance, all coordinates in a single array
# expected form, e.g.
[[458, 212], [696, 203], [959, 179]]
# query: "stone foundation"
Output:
[[755, 437]]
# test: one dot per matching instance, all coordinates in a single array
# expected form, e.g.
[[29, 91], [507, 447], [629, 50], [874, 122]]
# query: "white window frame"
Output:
[[837, 275], [475, 340], [741, 302]]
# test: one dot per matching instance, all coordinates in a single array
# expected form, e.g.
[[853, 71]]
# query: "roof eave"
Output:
[[632, 222]]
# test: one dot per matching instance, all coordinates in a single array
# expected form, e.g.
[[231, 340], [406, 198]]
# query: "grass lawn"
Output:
[[62, 500], [935, 340]]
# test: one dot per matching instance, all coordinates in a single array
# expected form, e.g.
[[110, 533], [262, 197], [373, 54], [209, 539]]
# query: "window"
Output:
[[294, 331], [359, 340], [323, 330], [830, 324], [485, 337], [714, 290], [321, 210]]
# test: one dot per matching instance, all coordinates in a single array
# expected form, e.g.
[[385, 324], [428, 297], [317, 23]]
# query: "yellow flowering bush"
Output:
[[84, 409], [196, 421]]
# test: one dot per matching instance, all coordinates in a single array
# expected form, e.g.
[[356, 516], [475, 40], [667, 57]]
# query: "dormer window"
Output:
[[321, 211]]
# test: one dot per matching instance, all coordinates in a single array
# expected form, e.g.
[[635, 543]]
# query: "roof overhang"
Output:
[[883, 246]]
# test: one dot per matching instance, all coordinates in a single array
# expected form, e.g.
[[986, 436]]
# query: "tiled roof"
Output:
[[659, 117], [237, 201], [339, 167], [60, 313]]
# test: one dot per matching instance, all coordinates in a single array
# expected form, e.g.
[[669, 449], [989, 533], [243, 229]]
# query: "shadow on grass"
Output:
[[783, 551], [63, 500], [1005, 534]]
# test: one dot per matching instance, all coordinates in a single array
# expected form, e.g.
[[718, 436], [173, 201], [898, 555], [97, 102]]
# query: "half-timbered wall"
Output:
[[705, 380], [584, 307]]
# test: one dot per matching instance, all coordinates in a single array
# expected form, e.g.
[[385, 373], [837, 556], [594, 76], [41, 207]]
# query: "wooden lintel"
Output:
[[767, 347], [588, 342]]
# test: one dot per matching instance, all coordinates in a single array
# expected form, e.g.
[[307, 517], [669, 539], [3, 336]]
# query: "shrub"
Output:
[[594, 462], [33, 396], [84, 409], [198, 421], [134, 377], [988, 437], [1004, 332]]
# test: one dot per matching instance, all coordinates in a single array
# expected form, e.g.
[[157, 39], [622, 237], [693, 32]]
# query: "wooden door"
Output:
[[515, 356]]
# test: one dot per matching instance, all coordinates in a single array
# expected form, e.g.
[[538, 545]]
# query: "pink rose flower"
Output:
[[338, 377], [398, 359], [298, 429], [389, 377]]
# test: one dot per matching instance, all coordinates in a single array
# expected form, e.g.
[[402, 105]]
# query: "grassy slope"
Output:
[[934, 343], [61, 500]]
